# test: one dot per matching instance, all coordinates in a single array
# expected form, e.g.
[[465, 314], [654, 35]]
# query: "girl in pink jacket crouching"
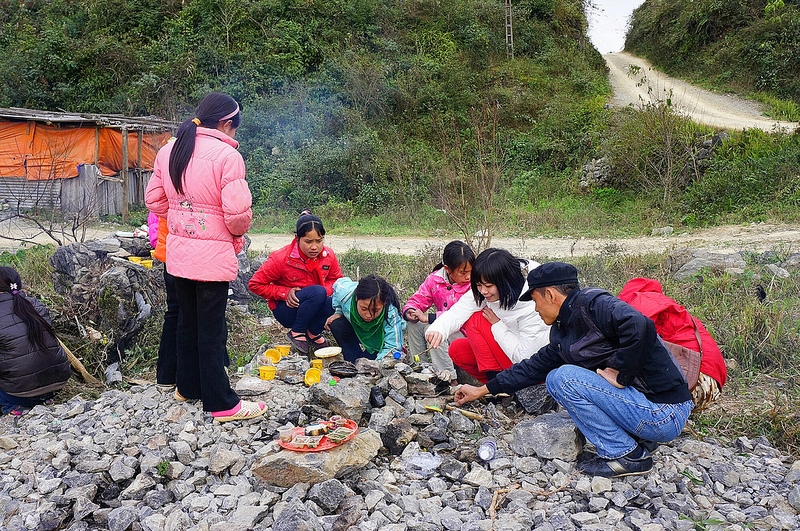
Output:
[[198, 186], [438, 293]]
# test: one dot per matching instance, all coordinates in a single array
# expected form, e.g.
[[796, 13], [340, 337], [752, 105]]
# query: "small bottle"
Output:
[[397, 354], [487, 450], [376, 397]]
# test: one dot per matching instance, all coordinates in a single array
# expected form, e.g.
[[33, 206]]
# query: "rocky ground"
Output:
[[139, 460]]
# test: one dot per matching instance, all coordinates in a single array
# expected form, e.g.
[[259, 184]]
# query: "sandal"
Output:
[[299, 342], [247, 410], [318, 342]]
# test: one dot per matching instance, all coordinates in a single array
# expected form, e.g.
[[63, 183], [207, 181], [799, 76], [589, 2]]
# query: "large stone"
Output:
[[286, 468], [348, 398], [551, 436], [535, 399], [399, 432]]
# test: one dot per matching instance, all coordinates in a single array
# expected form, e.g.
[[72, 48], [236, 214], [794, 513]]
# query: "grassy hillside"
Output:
[[403, 117]]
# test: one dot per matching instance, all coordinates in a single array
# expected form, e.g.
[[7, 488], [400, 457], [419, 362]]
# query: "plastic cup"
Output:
[[266, 372], [283, 350], [272, 355], [317, 364], [286, 434], [312, 376]]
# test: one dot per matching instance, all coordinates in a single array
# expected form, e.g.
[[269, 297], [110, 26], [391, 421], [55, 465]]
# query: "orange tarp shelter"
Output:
[[41, 145]]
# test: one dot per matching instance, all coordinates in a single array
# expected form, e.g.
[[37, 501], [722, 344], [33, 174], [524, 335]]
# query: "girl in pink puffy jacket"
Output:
[[438, 293], [198, 186]]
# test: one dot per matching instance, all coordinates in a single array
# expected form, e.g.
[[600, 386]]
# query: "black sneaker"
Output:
[[621, 466]]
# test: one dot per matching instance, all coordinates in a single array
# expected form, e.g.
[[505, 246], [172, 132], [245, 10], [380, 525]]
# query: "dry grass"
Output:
[[760, 397]]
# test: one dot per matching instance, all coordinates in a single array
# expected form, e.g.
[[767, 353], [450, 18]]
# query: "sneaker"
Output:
[[165, 388], [179, 397], [619, 467]]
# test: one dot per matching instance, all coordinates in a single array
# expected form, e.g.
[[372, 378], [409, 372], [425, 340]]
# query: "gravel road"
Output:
[[711, 108], [756, 237]]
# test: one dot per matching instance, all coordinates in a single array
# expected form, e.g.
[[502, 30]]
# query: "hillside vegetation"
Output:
[[403, 117], [751, 47]]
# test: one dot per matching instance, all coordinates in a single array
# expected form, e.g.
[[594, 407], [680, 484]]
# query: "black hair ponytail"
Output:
[[211, 110], [37, 326], [455, 255]]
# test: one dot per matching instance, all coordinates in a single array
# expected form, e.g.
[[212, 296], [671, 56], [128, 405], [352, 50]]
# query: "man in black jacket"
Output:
[[606, 366]]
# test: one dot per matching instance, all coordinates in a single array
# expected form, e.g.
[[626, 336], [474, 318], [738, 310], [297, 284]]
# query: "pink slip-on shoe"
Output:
[[244, 410]]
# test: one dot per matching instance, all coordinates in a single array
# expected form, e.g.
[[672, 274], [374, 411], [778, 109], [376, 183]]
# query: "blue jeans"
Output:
[[9, 402], [308, 318], [609, 417]]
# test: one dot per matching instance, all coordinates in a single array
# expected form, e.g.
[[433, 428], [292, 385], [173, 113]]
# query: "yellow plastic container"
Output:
[[316, 364], [147, 263], [272, 355], [266, 372], [135, 259], [283, 349], [312, 376]]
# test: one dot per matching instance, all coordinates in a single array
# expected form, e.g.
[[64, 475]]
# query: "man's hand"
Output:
[[291, 298], [331, 319], [611, 376], [434, 339], [468, 393]]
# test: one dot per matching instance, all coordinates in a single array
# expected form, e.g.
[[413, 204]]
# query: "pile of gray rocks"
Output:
[[136, 459]]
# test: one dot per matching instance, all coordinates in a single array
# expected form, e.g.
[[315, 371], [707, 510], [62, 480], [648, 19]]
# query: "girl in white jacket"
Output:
[[500, 330]]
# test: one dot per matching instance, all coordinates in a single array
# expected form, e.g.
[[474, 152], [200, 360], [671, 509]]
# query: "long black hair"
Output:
[[455, 255], [501, 268], [374, 288], [306, 223], [38, 327], [211, 110]]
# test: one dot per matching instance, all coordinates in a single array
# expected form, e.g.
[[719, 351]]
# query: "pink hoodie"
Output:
[[206, 223]]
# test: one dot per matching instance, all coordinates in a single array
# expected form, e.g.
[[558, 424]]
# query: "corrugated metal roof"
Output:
[[116, 121]]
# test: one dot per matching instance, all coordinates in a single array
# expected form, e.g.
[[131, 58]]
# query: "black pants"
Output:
[[167, 364], [201, 343], [309, 317], [346, 338]]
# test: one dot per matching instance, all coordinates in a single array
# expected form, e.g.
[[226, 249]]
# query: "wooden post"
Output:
[[140, 186], [124, 174]]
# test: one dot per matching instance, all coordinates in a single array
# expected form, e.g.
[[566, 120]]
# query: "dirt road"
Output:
[[710, 108], [756, 237]]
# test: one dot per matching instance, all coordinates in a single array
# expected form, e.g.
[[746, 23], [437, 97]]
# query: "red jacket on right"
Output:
[[674, 323], [288, 268]]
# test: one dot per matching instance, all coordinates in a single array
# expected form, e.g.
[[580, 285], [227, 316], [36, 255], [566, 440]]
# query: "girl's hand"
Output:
[[411, 315], [611, 376], [415, 316], [331, 319], [291, 298], [490, 316], [434, 339]]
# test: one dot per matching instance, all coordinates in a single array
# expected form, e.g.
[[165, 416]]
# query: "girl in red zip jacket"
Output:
[[297, 282]]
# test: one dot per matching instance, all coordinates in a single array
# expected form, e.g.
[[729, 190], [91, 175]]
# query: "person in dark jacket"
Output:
[[606, 366], [32, 363]]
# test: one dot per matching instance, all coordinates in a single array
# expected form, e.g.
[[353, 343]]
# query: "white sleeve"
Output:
[[453, 319], [532, 334]]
